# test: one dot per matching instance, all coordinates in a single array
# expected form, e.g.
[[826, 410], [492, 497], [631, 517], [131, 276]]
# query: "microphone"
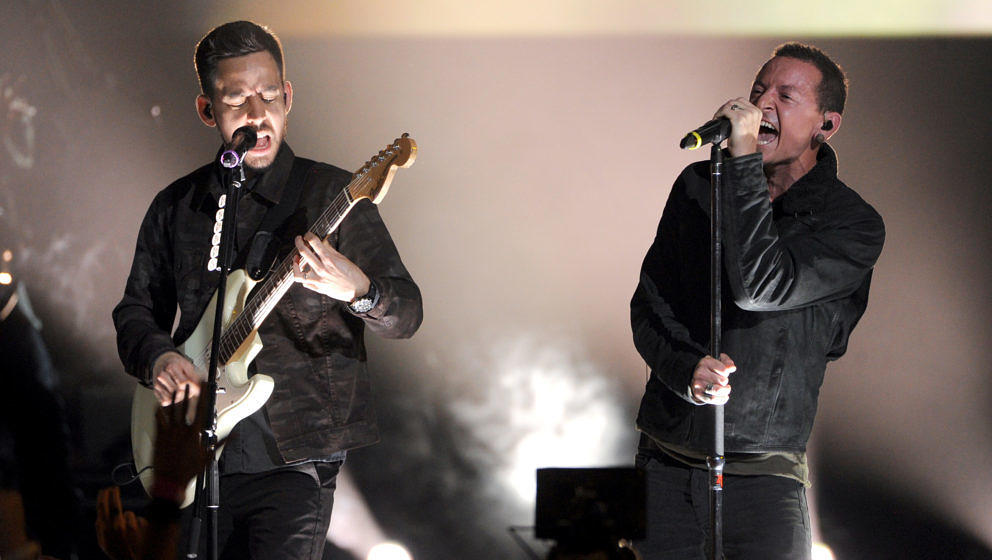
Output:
[[242, 140], [715, 131]]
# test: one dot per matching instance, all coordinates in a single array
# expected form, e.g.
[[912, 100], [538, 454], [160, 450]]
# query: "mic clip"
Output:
[[242, 140]]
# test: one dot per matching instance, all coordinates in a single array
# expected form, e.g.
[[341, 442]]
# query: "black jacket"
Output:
[[796, 274], [313, 346]]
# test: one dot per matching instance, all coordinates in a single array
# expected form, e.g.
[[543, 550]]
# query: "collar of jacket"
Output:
[[808, 193], [270, 184]]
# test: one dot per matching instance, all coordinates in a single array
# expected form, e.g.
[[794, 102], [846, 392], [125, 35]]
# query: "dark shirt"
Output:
[[313, 346], [796, 274]]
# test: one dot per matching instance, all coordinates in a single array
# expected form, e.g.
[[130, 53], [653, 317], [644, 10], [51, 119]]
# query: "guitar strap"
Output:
[[262, 253]]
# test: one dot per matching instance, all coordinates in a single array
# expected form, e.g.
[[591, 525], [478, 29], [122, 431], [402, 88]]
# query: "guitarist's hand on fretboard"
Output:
[[323, 269], [172, 374]]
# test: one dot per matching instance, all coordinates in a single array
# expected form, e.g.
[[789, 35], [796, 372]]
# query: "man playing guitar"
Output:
[[279, 464]]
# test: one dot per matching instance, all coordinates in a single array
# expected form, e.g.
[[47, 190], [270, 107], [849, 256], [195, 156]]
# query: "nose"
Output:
[[256, 109], [764, 100]]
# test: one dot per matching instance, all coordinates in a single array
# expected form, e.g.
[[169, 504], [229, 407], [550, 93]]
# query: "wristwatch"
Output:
[[363, 304]]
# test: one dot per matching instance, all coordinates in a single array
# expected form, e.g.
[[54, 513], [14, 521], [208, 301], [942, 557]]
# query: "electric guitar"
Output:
[[239, 396]]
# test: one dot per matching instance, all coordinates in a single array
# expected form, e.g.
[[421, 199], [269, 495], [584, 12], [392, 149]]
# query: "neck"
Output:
[[252, 172], [783, 175]]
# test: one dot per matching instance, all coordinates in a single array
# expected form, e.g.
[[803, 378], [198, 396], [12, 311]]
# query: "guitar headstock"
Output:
[[372, 180]]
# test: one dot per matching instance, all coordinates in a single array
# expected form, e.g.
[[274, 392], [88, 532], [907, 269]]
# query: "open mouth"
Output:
[[263, 144], [766, 133]]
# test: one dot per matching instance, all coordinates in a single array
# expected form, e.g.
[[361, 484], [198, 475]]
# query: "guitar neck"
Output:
[[265, 297]]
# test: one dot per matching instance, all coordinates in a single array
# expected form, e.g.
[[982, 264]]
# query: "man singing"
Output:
[[799, 247], [279, 465]]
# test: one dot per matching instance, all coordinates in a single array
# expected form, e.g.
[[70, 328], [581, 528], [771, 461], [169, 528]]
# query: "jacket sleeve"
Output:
[[365, 240], [767, 272], [661, 338], [145, 314]]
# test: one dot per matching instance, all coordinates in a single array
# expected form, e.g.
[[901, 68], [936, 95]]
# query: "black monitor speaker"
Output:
[[590, 504]]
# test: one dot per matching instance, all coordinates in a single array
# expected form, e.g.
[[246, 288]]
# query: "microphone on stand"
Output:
[[715, 131], [242, 140]]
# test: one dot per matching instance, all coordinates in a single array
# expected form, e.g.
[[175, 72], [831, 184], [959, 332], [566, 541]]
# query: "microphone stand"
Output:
[[234, 178], [715, 460]]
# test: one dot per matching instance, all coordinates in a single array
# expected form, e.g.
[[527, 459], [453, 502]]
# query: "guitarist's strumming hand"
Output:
[[323, 269], [172, 374]]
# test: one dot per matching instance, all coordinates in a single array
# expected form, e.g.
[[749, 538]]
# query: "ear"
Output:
[[205, 111], [287, 92], [831, 123]]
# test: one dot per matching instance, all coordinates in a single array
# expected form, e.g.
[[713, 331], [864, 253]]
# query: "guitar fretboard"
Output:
[[265, 297]]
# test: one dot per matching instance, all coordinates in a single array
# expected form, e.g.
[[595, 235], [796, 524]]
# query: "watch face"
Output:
[[361, 305]]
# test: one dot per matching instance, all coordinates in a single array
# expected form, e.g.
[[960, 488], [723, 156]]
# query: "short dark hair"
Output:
[[832, 93], [237, 38]]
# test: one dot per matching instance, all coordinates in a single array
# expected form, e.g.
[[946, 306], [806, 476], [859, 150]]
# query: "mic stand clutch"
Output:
[[715, 460], [228, 216]]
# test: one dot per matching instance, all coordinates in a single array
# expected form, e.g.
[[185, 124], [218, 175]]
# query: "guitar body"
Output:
[[237, 396]]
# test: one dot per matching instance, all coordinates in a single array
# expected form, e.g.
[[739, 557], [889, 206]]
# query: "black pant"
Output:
[[764, 517], [282, 514]]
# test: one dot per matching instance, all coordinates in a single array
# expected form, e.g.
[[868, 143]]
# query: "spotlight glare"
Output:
[[822, 552], [388, 551], [547, 405]]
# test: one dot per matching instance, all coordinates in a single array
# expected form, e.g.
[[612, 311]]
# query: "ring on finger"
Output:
[[709, 387]]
